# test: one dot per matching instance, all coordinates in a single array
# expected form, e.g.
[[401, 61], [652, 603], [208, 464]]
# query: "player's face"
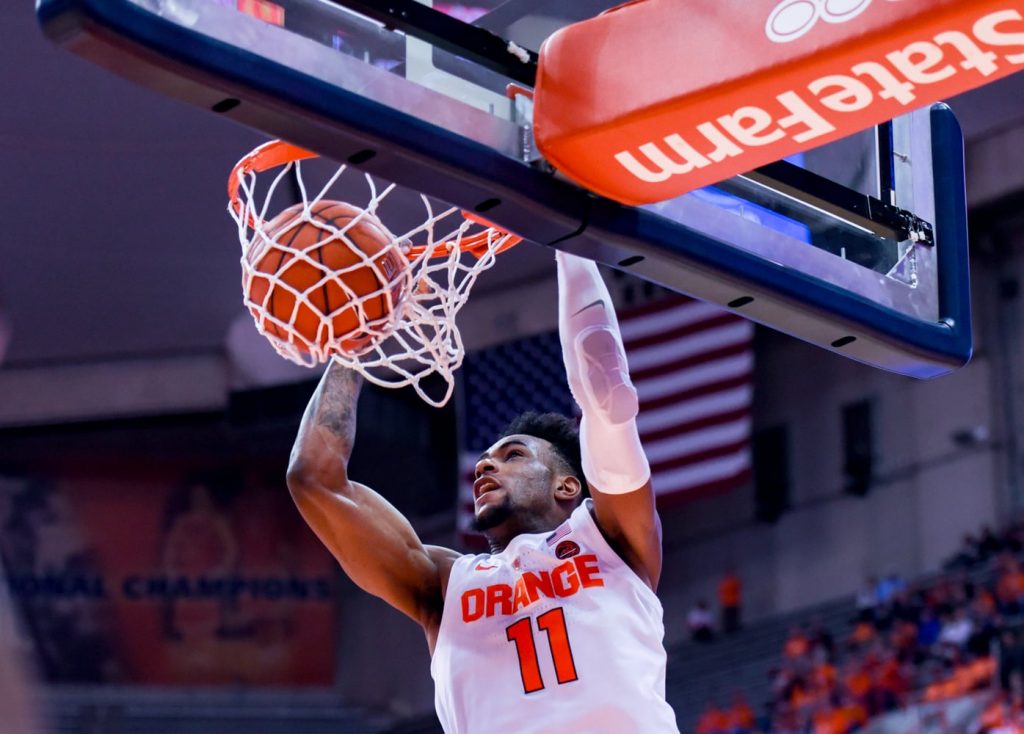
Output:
[[513, 480]]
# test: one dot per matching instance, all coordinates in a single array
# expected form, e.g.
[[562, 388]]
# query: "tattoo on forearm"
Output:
[[338, 395]]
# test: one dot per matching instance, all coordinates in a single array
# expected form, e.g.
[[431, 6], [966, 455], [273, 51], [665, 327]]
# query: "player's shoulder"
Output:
[[439, 554]]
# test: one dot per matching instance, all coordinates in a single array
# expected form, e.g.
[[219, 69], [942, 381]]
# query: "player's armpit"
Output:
[[375, 545]]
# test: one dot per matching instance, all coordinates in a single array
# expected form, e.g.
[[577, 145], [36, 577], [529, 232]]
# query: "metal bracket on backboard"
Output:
[[874, 215], [463, 39]]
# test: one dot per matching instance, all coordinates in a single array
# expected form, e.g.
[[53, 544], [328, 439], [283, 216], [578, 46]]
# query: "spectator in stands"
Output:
[[928, 628], [985, 603], [701, 622], [1010, 586], [783, 679], [888, 587], [903, 640], [862, 634], [989, 545], [828, 720], [985, 632], [730, 597], [804, 696], [898, 607], [963, 590], [713, 721], [797, 645], [867, 599], [857, 680], [823, 646], [824, 677], [740, 717], [956, 629], [939, 596], [1013, 537], [785, 720], [1011, 658], [891, 683], [904, 607], [968, 556], [838, 716], [853, 712]]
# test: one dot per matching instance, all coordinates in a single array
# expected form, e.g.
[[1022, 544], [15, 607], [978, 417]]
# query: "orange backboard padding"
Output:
[[659, 97]]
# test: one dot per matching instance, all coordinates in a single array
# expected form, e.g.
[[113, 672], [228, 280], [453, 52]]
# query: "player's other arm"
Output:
[[375, 545], [613, 460]]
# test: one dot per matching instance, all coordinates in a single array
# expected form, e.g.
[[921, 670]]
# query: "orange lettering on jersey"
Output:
[[566, 579], [521, 598], [538, 582], [588, 570], [499, 594], [571, 583], [472, 605]]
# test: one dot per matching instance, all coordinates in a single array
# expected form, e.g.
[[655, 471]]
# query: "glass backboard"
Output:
[[858, 246]]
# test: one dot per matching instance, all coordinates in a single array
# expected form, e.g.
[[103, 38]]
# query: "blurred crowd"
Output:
[[933, 640]]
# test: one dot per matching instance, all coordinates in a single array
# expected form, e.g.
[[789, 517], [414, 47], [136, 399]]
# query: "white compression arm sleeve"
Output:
[[595, 363]]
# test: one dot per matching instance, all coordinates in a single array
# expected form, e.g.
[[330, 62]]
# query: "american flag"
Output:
[[692, 364]]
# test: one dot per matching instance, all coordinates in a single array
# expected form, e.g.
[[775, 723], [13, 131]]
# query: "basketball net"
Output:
[[415, 336]]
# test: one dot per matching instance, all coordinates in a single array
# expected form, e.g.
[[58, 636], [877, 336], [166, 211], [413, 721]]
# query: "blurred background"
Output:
[[840, 543]]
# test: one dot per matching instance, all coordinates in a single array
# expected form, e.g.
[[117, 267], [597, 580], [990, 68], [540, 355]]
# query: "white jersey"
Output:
[[554, 635]]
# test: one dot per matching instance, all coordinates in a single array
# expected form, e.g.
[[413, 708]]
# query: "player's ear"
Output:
[[568, 488]]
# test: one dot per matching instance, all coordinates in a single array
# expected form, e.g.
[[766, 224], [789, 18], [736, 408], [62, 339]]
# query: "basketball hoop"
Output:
[[326, 279]]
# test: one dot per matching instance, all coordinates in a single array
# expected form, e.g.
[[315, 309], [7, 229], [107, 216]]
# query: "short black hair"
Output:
[[558, 430]]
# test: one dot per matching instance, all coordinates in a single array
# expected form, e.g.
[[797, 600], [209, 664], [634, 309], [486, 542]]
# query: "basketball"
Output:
[[346, 278]]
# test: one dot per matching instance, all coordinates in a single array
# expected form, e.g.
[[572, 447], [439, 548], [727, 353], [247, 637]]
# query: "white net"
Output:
[[325, 279]]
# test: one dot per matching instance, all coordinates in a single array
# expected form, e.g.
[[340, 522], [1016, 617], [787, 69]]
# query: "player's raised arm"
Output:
[[375, 545], [613, 459]]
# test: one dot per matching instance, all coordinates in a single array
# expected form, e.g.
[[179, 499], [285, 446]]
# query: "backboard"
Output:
[[859, 246]]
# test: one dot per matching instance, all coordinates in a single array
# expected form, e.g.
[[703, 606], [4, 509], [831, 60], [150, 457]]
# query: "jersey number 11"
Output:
[[521, 633]]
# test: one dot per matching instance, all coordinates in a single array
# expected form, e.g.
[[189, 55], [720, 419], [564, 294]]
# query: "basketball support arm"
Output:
[[595, 365]]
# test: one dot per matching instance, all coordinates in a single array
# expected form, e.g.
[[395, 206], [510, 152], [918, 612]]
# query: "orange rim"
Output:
[[279, 153], [269, 155]]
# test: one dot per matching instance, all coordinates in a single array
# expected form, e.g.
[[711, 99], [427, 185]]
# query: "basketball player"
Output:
[[558, 629]]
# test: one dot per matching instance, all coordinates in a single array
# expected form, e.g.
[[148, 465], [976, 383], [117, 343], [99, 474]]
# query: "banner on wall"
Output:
[[160, 579]]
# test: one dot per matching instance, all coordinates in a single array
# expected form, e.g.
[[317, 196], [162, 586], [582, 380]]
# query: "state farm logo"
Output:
[[779, 117], [793, 19]]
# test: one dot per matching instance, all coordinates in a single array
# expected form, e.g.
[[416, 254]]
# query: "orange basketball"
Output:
[[366, 241]]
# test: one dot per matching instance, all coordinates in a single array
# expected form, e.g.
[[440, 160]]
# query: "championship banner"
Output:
[[151, 577], [660, 97]]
